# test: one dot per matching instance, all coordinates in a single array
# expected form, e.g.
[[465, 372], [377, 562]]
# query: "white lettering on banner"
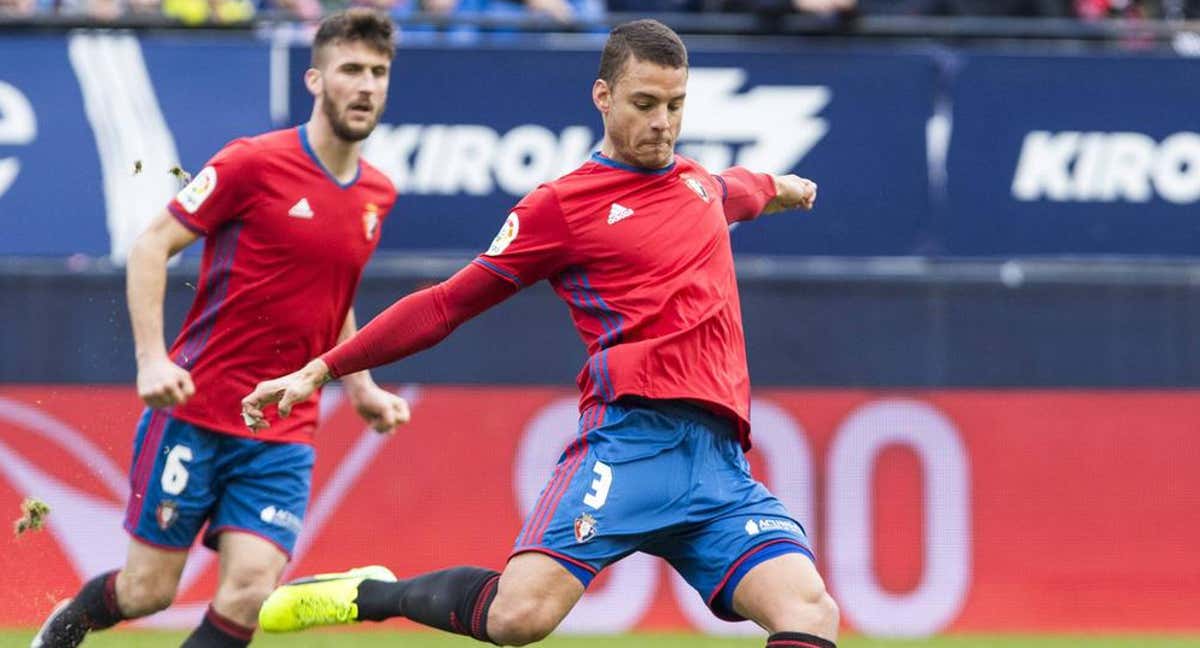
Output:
[[775, 127], [471, 159], [18, 126], [939, 596], [778, 125], [1072, 166]]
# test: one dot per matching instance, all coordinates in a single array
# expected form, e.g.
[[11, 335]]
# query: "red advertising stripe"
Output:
[[1076, 510]]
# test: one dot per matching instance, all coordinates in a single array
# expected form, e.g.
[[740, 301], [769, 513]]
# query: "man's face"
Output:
[[352, 88], [643, 112]]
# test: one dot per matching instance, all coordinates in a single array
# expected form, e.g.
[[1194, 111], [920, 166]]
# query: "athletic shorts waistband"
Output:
[[685, 410]]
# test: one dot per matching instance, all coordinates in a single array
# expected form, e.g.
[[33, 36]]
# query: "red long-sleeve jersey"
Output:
[[642, 258]]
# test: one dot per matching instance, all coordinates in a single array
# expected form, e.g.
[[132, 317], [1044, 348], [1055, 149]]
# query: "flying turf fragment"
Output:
[[33, 516]]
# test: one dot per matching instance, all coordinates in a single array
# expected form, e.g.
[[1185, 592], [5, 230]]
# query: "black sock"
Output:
[[215, 631], [798, 640], [93, 608], [455, 600]]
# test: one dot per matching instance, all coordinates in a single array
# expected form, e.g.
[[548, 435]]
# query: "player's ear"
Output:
[[602, 96], [313, 81]]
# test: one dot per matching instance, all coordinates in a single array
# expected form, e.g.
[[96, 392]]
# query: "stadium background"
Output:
[[976, 363]]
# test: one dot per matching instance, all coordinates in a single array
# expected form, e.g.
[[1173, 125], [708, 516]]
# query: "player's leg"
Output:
[[145, 585], [748, 558], [250, 569], [522, 605], [557, 554], [168, 503], [535, 594], [787, 597], [264, 495], [149, 580]]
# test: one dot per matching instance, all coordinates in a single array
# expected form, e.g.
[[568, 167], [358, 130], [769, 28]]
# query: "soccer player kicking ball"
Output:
[[636, 241], [289, 220]]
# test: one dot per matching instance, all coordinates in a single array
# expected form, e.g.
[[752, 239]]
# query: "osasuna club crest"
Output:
[[696, 186], [370, 220], [585, 528], [167, 513]]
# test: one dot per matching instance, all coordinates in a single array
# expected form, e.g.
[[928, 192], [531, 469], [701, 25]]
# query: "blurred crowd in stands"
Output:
[[566, 11]]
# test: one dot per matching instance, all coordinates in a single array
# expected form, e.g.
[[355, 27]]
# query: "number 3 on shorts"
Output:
[[600, 485], [175, 474]]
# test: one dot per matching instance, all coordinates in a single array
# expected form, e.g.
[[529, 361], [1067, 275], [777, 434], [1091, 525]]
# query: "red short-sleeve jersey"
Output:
[[643, 260], [285, 245]]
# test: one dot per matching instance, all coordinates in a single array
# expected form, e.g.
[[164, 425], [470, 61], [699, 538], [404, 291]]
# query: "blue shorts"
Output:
[[184, 476], [668, 479]]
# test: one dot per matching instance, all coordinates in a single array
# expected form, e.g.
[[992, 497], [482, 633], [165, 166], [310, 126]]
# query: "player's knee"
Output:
[[518, 623], [813, 611], [143, 593], [826, 610], [244, 589]]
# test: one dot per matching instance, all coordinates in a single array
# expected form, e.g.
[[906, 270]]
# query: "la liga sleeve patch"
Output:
[[198, 190], [508, 234]]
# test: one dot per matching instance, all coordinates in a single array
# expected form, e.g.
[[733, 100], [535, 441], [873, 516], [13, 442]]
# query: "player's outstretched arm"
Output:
[[746, 195], [160, 382], [412, 324], [792, 192]]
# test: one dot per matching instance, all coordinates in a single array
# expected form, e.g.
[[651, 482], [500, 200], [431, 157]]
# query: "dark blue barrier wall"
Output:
[[939, 330]]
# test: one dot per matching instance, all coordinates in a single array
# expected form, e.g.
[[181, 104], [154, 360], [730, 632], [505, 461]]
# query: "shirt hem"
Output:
[[297, 437]]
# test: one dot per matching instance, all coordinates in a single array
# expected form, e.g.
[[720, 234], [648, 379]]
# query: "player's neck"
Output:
[[339, 157], [609, 151]]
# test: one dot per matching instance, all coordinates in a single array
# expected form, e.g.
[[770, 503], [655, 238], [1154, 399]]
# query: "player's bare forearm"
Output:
[[792, 192], [160, 382], [145, 282]]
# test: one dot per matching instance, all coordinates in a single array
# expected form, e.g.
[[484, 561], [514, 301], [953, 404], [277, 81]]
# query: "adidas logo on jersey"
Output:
[[301, 209], [617, 213]]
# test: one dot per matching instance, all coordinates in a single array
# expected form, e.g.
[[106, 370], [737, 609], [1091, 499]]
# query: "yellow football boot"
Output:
[[324, 599]]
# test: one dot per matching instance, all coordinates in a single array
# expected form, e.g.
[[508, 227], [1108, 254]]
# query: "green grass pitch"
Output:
[[376, 639]]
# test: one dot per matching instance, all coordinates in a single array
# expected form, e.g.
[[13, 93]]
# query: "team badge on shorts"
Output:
[[585, 528], [167, 513], [695, 186], [370, 220]]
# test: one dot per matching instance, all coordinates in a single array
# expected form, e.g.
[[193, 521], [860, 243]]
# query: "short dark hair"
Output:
[[357, 24], [646, 40]]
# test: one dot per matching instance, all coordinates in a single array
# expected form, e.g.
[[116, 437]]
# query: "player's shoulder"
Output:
[[586, 179], [377, 186], [253, 147], [374, 179], [283, 141], [686, 164]]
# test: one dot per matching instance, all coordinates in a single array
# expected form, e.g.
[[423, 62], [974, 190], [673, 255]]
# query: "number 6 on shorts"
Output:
[[175, 474]]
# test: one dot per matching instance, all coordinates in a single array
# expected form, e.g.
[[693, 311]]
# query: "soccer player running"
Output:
[[289, 219], [636, 241]]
